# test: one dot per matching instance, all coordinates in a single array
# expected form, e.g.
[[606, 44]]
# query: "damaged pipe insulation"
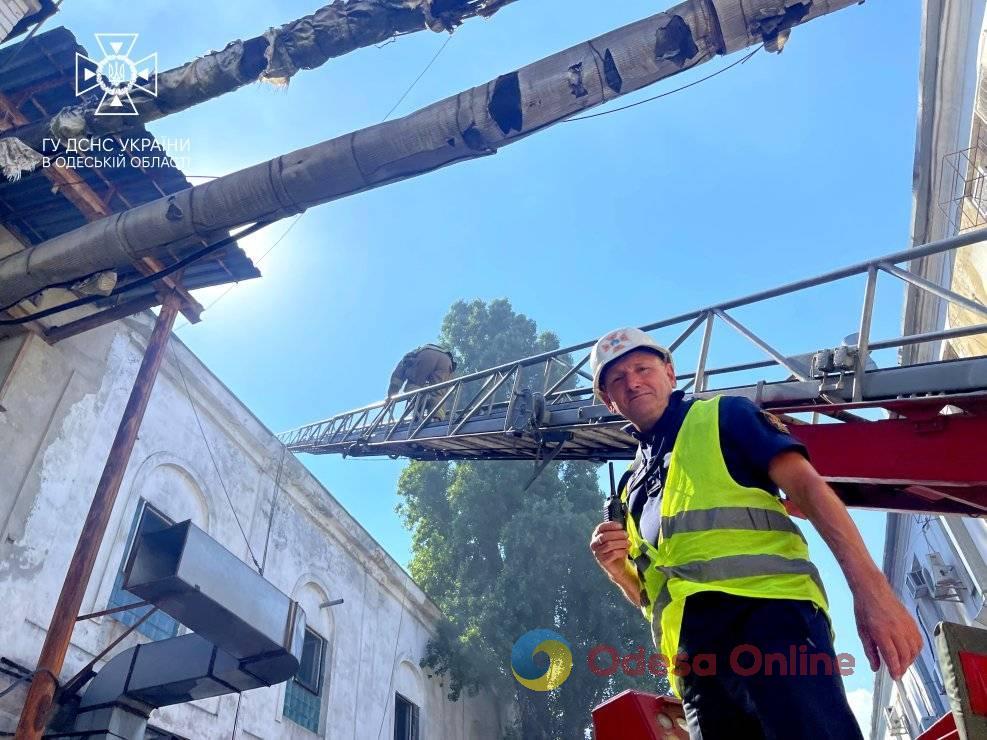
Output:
[[472, 124], [275, 56]]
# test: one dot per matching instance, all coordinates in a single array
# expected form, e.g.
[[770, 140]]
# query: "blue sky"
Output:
[[782, 168]]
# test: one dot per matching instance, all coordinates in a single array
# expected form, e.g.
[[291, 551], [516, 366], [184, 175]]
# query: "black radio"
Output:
[[615, 510]]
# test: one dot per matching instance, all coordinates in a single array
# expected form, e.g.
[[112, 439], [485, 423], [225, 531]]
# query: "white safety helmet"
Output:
[[616, 344]]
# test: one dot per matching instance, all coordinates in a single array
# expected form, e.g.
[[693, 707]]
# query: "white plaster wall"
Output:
[[63, 404]]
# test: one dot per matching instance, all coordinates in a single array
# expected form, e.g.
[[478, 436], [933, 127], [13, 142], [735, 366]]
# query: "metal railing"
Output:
[[552, 380]]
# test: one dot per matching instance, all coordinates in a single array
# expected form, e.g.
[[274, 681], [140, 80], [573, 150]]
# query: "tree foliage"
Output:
[[501, 561]]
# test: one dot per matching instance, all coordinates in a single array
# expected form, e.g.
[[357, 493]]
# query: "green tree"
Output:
[[501, 561]]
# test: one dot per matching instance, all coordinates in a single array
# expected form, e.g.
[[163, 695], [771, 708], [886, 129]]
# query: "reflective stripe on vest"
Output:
[[730, 567], [715, 535], [737, 517]]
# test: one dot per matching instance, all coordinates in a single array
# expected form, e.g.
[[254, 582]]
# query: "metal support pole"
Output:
[[569, 373], [114, 610], [799, 372], [936, 290], [863, 336], [38, 705], [686, 334], [700, 379], [515, 390]]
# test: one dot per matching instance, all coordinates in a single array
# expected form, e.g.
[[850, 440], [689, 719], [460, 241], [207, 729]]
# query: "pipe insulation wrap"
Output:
[[472, 124], [745, 23]]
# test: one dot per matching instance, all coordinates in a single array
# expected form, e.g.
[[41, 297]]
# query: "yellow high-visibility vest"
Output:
[[715, 535]]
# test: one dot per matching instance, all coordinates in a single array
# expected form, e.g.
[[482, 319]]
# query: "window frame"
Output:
[[322, 642], [294, 684], [143, 506], [977, 175], [413, 721], [929, 676]]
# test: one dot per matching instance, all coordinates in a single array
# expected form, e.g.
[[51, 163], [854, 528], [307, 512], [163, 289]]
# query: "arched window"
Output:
[[159, 626], [409, 696]]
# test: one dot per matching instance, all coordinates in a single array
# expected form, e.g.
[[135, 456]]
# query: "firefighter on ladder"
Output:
[[709, 553], [425, 366]]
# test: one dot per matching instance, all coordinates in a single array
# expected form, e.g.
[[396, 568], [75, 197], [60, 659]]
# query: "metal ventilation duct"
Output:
[[187, 574]]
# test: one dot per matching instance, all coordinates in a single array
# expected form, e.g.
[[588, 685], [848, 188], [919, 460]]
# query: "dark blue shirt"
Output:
[[749, 439]]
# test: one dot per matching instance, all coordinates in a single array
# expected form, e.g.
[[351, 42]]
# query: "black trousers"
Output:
[[751, 664]]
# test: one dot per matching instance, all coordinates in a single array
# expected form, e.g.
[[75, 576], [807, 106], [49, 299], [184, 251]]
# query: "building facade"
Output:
[[201, 455], [938, 564]]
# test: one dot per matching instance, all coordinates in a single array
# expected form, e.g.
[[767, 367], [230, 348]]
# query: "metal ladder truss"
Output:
[[925, 457]]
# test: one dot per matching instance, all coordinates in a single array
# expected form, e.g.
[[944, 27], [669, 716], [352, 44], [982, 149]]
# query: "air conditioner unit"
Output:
[[940, 582], [917, 582], [946, 584]]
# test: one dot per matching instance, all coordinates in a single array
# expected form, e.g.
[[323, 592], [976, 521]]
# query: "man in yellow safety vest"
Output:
[[708, 552]]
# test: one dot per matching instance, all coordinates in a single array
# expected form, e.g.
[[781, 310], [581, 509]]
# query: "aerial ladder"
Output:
[[907, 438], [904, 438]]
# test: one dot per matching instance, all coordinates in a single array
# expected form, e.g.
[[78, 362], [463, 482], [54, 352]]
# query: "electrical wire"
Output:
[[275, 496], [926, 521], [390, 682], [742, 60], [257, 261], [173, 268], [295, 222], [236, 715], [198, 255], [184, 262], [212, 457], [16, 683], [418, 78]]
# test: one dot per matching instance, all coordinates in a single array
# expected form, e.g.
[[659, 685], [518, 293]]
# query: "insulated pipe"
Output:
[[276, 55], [472, 124]]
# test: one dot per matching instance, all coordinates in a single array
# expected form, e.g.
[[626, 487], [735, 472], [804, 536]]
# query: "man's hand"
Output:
[[887, 630], [610, 545]]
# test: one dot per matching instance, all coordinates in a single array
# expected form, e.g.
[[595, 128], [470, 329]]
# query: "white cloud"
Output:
[[861, 702]]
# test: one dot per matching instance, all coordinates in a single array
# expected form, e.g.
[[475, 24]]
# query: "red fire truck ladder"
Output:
[[905, 438]]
